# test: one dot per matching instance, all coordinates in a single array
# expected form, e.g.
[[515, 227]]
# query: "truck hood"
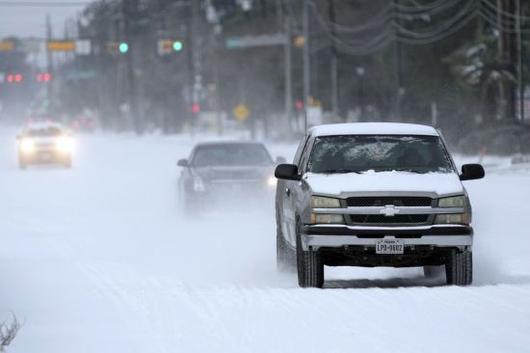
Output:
[[370, 181]]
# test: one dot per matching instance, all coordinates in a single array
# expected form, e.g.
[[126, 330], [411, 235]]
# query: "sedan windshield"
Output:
[[44, 132], [231, 155], [360, 153]]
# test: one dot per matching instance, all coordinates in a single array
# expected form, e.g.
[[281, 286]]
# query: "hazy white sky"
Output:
[[24, 21]]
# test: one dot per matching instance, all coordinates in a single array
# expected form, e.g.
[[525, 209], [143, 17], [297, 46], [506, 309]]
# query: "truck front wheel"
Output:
[[459, 267], [309, 264]]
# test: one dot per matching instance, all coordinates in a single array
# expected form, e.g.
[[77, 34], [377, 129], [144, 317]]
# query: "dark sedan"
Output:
[[227, 172]]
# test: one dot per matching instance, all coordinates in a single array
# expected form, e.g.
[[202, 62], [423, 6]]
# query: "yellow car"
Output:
[[45, 143]]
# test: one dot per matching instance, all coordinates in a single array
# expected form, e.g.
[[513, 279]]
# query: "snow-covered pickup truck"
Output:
[[374, 194]]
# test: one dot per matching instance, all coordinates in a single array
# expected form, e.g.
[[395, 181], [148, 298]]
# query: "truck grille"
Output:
[[384, 200], [382, 219]]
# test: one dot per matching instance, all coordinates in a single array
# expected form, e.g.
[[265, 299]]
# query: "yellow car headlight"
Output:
[[27, 145], [317, 218], [324, 202], [64, 144], [454, 201]]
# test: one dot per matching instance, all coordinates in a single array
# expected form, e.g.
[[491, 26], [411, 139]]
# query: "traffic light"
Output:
[[14, 78], [177, 45], [168, 46], [123, 47], [44, 77], [195, 108]]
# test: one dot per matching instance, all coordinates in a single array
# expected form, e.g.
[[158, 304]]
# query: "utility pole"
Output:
[[400, 91], [520, 76], [129, 8], [49, 62], [194, 59], [288, 72], [333, 63], [306, 62]]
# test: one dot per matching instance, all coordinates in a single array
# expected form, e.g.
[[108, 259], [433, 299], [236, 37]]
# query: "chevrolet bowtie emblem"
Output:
[[389, 211]]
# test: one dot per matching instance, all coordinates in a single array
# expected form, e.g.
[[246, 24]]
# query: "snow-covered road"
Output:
[[97, 259]]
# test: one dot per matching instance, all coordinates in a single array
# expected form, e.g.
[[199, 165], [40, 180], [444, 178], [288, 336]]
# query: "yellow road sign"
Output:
[[7, 45], [241, 112], [65, 45]]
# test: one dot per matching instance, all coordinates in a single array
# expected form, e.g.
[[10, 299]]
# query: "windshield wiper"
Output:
[[339, 171]]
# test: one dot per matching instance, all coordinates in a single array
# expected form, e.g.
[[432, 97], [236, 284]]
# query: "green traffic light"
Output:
[[177, 46], [123, 47]]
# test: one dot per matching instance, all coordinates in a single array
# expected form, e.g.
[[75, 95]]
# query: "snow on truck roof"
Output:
[[373, 129]]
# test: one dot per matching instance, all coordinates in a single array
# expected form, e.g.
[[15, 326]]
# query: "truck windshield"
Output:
[[360, 153]]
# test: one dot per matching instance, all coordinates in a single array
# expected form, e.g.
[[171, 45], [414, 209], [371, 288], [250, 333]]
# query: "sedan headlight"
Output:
[[454, 201], [27, 145], [198, 185], [271, 182], [317, 218], [324, 202], [64, 144]]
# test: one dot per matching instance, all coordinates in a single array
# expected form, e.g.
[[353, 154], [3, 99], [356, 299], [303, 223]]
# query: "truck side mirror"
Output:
[[183, 163], [472, 171], [287, 172]]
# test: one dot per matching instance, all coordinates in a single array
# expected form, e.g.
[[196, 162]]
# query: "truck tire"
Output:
[[459, 268], [309, 265]]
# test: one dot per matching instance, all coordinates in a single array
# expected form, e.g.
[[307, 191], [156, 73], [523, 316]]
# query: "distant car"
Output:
[[374, 194], [44, 143], [224, 171]]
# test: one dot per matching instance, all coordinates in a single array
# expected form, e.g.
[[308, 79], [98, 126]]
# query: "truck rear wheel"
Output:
[[310, 266], [459, 268]]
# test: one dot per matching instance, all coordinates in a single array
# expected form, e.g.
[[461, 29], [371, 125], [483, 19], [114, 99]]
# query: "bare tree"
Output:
[[8, 332]]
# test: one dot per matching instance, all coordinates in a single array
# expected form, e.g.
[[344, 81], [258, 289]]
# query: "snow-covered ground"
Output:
[[98, 259]]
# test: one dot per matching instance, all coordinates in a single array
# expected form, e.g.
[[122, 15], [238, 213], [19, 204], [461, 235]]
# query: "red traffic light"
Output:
[[14, 78], [44, 77], [195, 108]]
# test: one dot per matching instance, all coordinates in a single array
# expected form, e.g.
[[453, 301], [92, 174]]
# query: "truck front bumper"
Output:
[[336, 236]]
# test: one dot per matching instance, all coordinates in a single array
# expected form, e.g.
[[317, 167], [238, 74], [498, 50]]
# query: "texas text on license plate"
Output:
[[389, 246]]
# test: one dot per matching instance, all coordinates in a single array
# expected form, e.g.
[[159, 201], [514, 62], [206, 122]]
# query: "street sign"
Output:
[[61, 45], [7, 45], [83, 47], [255, 41], [32, 46], [241, 112]]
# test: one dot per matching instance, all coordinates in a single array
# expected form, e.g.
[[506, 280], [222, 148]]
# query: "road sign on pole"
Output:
[[83, 47], [256, 41], [61, 45], [241, 112], [7, 45]]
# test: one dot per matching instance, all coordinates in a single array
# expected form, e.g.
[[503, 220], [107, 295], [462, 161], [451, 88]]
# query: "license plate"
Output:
[[389, 246], [46, 157]]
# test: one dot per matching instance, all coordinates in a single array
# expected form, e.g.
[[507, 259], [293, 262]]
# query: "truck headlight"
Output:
[[64, 144], [324, 202], [317, 218], [457, 218], [27, 146], [454, 201]]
